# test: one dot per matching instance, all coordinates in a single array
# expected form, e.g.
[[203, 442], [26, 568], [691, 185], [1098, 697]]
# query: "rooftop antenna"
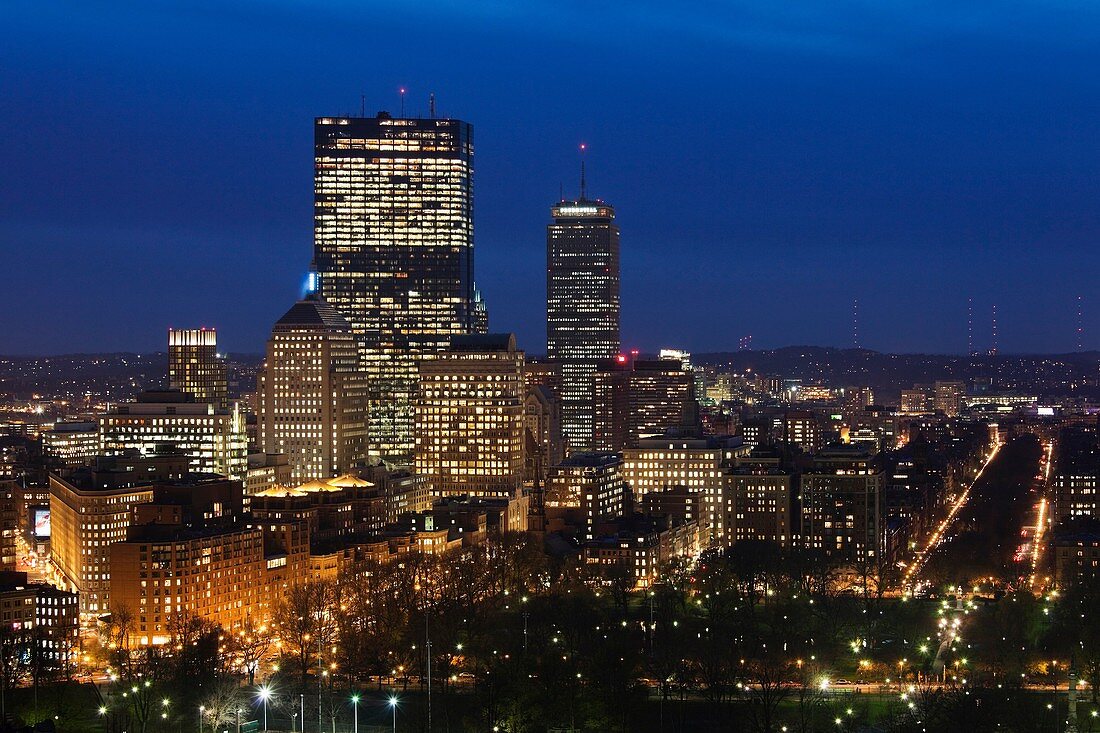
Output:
[[1080, 324], [431, 105], [402, 91], [362, 105], [584, 187], [993, 351], [561, 191], [970, 327]]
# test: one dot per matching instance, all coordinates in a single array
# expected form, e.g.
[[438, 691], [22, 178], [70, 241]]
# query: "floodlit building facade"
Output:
[[87, 518]]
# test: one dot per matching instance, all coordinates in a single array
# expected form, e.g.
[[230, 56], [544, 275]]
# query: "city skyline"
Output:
[[775, 183]]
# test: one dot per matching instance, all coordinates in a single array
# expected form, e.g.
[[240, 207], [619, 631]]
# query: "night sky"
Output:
[[769, 162]]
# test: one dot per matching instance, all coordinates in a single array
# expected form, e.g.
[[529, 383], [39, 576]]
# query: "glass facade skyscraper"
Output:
[[582, 306], [393, 250]]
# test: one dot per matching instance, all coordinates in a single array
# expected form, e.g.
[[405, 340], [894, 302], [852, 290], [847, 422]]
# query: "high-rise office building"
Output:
[[949, 396], [90, 509], [72, 443], [544, 444], [394, 250], [635, 399], [802, 429], [582, 305], [752, 502], [659, 464], [590, 482], [171, 421], [480, 322], [38, 620], [194, 366], [470, 417], [842, 507], [312, 393]]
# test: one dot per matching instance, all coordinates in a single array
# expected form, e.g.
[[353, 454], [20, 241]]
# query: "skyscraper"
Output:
[[313, 396], [194, 366], [582, 305], [393, 250], [470, 417], [639, 398]]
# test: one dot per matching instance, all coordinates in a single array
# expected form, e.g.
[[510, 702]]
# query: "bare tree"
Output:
[[304, 623], [220, 706], [249, 646]]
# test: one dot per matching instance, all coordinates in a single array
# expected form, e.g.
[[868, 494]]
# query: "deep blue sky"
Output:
[[770, 161]]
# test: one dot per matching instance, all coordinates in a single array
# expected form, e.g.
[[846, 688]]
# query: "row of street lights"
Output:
[[264, 693]]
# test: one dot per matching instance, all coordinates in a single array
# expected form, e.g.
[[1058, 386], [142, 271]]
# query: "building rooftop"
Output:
[[164, 396], [314, 311], [590, 460], [484, 342]]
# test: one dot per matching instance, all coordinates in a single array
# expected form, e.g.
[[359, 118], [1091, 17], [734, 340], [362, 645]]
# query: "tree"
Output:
[[303, 620], [221, 705], [1076, 630], [249, 646]]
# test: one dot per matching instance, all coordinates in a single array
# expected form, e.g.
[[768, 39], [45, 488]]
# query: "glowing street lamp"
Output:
[[265, 695], [393, 704], [202, 709], [355, 707]]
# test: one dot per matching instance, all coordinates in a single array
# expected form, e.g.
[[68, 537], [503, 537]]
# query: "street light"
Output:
[[265, 695], [393, 704], [355, 707], [202, 709]]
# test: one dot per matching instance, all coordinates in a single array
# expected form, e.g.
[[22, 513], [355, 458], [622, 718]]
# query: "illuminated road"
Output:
[[913, 571], [1041, 510]]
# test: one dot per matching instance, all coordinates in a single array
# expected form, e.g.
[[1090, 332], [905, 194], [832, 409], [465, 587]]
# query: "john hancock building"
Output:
[[394, 250]]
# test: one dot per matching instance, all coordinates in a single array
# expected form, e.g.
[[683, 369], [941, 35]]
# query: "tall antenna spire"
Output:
[[362, 105], [1080, 324], [855, 323], [402, 91], [993, 351], [970, 327], [584, 187], [431, 105]]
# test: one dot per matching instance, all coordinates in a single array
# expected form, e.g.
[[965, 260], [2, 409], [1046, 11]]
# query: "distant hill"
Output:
[[888, 374], [115, 376]]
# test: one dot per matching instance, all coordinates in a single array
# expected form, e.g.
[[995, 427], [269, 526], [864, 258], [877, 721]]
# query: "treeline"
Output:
[[753, 639]]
